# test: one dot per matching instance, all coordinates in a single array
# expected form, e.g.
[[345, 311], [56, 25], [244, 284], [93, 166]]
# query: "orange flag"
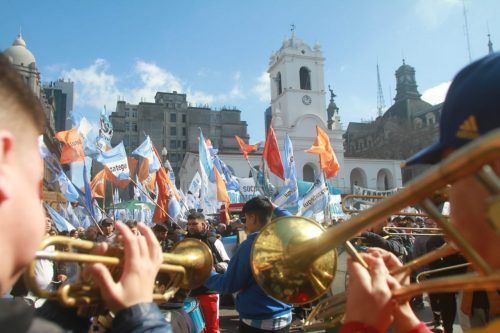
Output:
[[167, 178], [221, 187], [143, 172], [98, 184], [272, 154], [245, 148], [72, 151], [327, 159], [162, 179], [150, 182]]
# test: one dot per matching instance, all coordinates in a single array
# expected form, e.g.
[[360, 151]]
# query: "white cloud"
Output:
[[437, 94], [95, 87], [261, 89], [434, 12], [153, 79]]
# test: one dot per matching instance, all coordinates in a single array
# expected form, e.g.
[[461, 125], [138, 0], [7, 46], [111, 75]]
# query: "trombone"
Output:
[[412, 231], [294, 261], [189, 264]]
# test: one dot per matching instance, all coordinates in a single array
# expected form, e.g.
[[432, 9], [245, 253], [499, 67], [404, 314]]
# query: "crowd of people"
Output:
[[369, 308]]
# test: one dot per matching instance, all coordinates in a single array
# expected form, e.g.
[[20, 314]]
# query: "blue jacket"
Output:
[[251, 301]]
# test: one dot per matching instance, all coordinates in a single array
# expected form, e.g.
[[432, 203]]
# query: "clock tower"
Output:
[[297, 83], [298, 104]]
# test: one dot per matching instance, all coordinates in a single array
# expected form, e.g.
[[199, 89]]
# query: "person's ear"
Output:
[[6, 151]]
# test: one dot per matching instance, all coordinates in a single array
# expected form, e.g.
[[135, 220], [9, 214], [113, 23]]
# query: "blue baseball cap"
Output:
[[471, 109]]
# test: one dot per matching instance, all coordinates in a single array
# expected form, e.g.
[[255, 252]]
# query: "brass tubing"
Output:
[[468, 282], [459, 164], [443, 251]]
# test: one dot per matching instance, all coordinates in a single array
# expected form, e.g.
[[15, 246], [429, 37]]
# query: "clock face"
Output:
[[306, 99]]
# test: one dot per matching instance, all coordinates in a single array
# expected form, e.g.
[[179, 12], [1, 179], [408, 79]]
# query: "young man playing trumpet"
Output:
[[23, 224], [471, 110]]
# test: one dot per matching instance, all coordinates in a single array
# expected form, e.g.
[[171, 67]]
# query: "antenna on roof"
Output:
[[380, 95], [466, 28]]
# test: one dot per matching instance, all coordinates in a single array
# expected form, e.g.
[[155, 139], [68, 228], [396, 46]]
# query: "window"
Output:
[[173, 144], [173, 130], [278, 83], [126, 113], [183, 118], [177, 106], [134, 127], [173, 117], [127, 126], [184, 132], [305, 78], [184, 144], [178, 143], [134, 114], [173, 158]]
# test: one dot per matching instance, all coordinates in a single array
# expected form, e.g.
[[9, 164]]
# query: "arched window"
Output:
[[305, 78], [278, 83], [358, 177], [431, 118], [385, 180], [308, 173]]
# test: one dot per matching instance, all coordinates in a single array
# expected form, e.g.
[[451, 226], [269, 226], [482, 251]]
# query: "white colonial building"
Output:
[[298, 105]]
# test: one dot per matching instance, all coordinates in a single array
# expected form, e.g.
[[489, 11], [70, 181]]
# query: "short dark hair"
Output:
[[15, 93], [196, 216], [261, 206], [159, 228], [107, 220], [131, 223]]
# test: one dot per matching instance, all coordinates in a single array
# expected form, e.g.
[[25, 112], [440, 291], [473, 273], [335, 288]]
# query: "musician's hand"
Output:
[[404, 317], [142, 260], [369, 296]]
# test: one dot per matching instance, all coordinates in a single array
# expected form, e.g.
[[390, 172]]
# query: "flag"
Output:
[[60, 222], [88, 191], [221, 187], [143, 172], [72, 151], [174, 208], [262, 183], [289, 194], [116, 161], [316, 199], [227, 175], [98, 184], [105, 130], [146, 151], [327, 159], [162, 199], [68, 189], [272, 154], [166, 179], [245, 148], [195, 185], [205, 158], [213, 151]]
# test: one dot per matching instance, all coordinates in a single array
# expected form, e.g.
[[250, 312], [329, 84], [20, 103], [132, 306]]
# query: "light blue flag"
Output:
[[289, 194], [60, 222], [205, 158], [68, 189], [174, 208], [316, 198], [116, 161], [146, 150]]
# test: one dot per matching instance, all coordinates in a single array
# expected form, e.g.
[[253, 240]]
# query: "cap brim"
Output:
[[429, 155]]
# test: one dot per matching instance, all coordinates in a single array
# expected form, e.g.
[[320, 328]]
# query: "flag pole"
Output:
[[156, 204]]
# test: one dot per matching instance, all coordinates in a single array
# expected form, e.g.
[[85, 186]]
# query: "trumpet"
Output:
[[189, 264], [294, 261]]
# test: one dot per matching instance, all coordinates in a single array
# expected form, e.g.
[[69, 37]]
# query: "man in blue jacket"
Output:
[[258, 311]]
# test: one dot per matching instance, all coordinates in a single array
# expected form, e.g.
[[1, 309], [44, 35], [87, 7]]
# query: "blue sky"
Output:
[[218, 51]]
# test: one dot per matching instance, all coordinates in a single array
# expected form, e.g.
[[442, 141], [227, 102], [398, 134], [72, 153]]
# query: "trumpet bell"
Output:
[[285, 279], [197, 259]]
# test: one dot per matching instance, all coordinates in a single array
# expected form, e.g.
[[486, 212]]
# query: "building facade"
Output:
[[173, 126], [406, 127], [60, 94], [298, 105], [24, 62]]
